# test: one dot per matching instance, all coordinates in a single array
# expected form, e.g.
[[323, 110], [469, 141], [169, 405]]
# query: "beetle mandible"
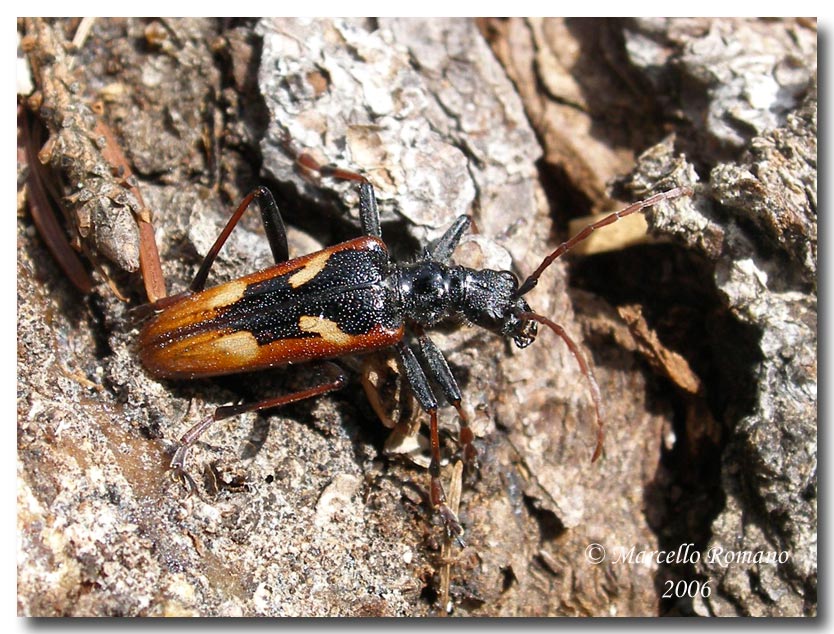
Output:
[[346, 299]]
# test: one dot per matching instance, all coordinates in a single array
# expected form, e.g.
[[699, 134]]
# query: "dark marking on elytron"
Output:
[[348, 290]]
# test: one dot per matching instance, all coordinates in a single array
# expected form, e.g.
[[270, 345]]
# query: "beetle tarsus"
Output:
[[467, 447], [178, 471], [451, 524], [470, 457], [179, 474]]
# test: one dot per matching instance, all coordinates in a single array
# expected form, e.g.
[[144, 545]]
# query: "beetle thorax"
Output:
[[430, 291]]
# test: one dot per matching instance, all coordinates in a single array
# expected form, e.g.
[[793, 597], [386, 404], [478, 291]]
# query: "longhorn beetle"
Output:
[[346, 299]]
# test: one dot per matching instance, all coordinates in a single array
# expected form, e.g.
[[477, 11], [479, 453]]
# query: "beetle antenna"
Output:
[[530, 283], [596, 395]]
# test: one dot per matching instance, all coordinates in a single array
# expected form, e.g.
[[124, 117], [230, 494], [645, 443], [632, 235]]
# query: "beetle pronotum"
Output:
[[346, 299]]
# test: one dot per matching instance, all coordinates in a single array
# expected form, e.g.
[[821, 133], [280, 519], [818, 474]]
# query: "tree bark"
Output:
[[702, 339]]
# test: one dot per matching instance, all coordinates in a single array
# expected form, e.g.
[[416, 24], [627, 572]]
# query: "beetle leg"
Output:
[[368, 212], [178, 470], [307, 162], [440, 371], [227, 411], [420, 384], [445, 246], [274, 228], [273, 225]]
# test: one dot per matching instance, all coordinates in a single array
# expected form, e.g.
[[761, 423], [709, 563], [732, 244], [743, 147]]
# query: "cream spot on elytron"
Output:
[[225, 294], [241, 345], [310, 270], [329, 330]]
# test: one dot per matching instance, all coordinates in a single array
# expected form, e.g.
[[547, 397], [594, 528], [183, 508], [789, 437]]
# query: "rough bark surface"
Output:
[[704, 344]]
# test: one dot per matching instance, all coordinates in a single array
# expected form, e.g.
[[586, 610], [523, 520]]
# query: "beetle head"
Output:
[[490, 299]]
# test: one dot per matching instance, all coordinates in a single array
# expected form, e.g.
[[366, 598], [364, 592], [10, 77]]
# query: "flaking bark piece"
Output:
[[102, 207]]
